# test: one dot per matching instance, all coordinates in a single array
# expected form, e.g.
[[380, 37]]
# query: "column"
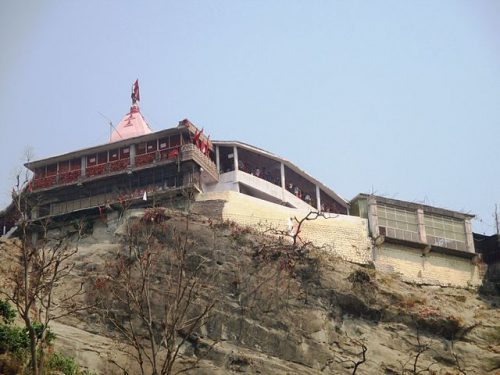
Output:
[[421, 226], [217, 158], [83, 165], [373, 216], [235, 157], [283, 183], [34, 212], [132, 154], [469, 239], [318, 199]]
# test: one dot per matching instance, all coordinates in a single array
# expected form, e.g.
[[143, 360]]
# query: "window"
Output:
[[40, 172], [75, 164], [445, 231], [52, 169], [163, 143], [398, 222], [226, 159], [152, 145], [63, 166], [113, 155], [91, 160], [140, 149], [102, 157], [175, 140], [124, 152]]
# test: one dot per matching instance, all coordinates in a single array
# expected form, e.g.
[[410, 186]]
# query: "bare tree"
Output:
[[156, 293], [358, 362], [41, 265], [459, 362], [266, 281], [355, 363], [413, 361]]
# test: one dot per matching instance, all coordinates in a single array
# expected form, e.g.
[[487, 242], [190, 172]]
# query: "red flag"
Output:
[[30, 187], [136, 96], [196, 138], [207, 148]]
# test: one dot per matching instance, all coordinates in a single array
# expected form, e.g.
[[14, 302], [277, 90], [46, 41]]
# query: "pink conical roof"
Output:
[[132, 125]]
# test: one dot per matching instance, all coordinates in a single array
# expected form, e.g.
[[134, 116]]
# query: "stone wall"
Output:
[[346, 236], [434, 268]]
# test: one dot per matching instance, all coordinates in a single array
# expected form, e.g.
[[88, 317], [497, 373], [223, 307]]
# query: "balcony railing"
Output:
[[185, 152]]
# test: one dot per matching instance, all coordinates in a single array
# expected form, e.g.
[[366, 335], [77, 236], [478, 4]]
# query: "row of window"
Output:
[[108, 156], [403, 224]]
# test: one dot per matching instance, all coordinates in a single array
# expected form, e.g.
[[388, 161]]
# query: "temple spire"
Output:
[[132, 124]]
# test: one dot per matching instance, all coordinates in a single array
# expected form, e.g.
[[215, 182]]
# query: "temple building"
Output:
[[139, 164], [237, 182]]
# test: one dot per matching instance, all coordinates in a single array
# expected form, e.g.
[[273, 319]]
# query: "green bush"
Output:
[[62, 363], [7, 313], [50, 336], [12, 339]]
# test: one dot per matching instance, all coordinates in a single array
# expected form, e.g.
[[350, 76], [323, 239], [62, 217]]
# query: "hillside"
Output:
[[294, 312]]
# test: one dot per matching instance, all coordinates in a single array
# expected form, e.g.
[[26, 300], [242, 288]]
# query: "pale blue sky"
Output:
[[398, 97]]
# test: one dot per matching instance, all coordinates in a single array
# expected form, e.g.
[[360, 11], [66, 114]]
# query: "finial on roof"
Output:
[[133, 124], [136, 96]]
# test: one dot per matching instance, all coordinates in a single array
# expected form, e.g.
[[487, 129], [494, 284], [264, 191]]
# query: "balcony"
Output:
[[143, 161], [259, 188], [191, 152]]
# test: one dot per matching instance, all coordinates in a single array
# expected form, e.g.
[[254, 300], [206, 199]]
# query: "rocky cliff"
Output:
[[296, 312]]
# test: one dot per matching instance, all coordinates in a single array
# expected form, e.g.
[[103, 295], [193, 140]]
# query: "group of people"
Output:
[[266, 174], [263, 173], [305, 196]]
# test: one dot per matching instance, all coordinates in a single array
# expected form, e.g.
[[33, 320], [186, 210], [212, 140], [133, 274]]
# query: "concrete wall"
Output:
[[230, 180], [227, 181], [346, 236], [434, 268]]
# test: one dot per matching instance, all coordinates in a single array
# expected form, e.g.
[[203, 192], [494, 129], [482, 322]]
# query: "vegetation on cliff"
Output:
[[275, 306]]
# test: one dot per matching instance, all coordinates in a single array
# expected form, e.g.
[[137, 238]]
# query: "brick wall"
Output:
[[346, 236], [435, 269]]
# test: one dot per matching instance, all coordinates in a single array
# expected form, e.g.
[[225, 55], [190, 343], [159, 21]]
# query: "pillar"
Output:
[[235, 157], [421, 226], [282, 173], [469, 239], [83, 165], [318, 198], [283, 182], [217, 158], [132, 154], [373, 216]]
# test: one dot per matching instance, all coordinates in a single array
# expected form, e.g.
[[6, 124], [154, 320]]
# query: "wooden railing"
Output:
[[44, 182]]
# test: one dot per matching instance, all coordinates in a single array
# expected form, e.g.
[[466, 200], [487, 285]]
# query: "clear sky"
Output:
[[401, 98]]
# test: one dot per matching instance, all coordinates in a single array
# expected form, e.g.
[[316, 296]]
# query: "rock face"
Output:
[[296, 312]]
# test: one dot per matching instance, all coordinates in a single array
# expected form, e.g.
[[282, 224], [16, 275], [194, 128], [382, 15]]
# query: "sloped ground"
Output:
[[315, 319]]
